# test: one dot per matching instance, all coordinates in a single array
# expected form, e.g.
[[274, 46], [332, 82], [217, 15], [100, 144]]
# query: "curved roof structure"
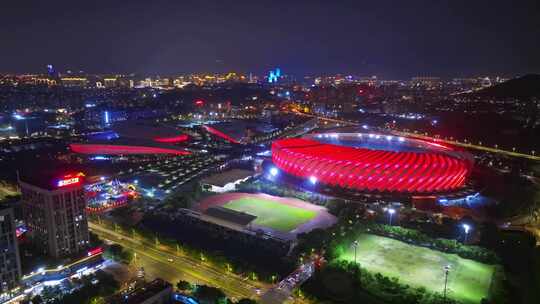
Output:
[[373, 162], [111, 149]]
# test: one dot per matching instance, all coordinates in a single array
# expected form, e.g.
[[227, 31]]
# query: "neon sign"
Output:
[[69, 180]]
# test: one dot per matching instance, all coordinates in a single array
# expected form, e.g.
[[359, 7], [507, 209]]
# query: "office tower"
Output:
[[10, 263], [53, 207]]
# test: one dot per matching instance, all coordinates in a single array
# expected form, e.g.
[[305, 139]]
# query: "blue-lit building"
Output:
[[274, 75]]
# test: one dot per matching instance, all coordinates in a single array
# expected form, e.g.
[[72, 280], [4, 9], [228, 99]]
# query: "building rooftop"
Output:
[[52, 178], [223, 178], [229, 215]]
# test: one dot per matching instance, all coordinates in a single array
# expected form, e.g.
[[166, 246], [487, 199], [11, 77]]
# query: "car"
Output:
[[170, 260]]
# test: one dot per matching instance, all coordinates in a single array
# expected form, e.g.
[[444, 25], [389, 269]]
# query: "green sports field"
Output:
[[272, 214], [468, 280]]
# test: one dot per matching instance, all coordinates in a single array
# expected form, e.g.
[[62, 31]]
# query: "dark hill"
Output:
[[522, 87]]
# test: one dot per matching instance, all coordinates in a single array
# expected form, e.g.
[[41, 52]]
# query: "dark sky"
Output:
[[387, 38]]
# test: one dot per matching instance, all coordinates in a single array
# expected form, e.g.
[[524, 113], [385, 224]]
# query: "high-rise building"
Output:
[[54, 210], [10, 263]]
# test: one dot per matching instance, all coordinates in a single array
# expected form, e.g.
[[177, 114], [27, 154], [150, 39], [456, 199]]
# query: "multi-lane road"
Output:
[[166, 264]]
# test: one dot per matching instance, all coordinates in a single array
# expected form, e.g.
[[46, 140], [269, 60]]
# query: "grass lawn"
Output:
[[468, 280], [272, 214]]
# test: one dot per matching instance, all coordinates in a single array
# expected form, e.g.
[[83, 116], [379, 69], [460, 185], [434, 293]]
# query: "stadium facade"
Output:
[[373, 162]]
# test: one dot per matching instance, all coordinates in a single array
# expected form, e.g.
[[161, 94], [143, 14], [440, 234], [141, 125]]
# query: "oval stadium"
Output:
[[373, 162]]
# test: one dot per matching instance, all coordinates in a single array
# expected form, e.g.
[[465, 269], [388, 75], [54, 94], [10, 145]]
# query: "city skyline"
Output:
[[393, 40], [249, 152]]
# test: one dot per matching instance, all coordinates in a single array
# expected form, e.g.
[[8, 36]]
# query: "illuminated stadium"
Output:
[[373, 162]]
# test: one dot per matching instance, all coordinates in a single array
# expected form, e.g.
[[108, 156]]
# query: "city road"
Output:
[[157, 263]]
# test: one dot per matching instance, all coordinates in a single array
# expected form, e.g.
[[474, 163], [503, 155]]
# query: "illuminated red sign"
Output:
[[199, 102], [95, 251], [70, 179], [67, 182]]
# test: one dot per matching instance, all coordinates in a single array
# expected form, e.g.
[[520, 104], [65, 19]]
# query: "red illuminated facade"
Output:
[[173, 139], [365, 169], [122, 149]]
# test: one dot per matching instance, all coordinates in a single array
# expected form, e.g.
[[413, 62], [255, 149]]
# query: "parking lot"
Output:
[[158, 178]]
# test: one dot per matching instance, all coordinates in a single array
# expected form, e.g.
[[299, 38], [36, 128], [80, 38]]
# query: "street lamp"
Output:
[[446, 271], [466, 228], [391, 211], [355, 245], [274, 171]]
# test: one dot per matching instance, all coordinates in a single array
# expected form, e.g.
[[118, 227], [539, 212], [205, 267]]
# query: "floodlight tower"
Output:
[[355, 245], [391, 212], [466, 229]]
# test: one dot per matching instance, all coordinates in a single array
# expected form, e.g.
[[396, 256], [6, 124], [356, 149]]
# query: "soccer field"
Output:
[[468, 280], [272, 214]]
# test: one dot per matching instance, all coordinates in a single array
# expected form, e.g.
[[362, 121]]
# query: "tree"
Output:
[[50, 294], [246, 301], [90, 292], [117, 253], [209, 295], [36, 300], [97, 300], [184, 286]]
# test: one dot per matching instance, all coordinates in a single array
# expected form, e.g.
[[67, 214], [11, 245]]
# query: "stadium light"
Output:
[[313, 180], [446, 271], [466, 228], [355, 245], [274, 171], [391, 211]]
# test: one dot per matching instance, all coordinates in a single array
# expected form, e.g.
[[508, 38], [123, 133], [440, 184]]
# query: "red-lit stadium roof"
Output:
[[110, 149], [414, 169], [220, 134], [172, 139]]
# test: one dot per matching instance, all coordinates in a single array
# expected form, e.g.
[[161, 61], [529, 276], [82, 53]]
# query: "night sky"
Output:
[[392, 39]]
